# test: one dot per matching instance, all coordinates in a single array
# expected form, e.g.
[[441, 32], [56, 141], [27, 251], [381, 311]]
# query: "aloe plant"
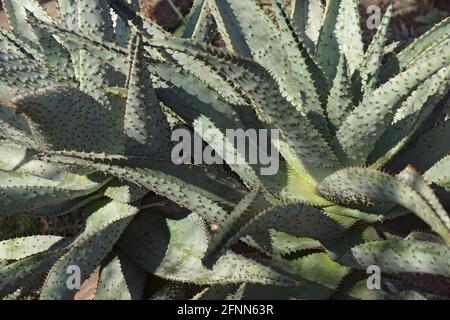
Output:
[[86, 124]]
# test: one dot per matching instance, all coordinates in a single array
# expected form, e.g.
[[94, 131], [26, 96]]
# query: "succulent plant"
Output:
[[86, 124]]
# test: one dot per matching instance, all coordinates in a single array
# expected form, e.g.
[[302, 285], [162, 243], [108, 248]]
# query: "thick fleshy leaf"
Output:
[[14, 129], [66, 118], [366, 186], [26, 274], [180, 188], [173, 249], [370, 119], [146, 128], [95, 21], [228, 27], [390, 290], [103, 228], [413, 179], [426, 43], [122, 29], [401, 256], [327, 54], [428, 149], [46, 48], [21, 73], [280, 58], [24, 193], [200, 24], [440, 173], [120, 279], [136, 19], [410, 117], [17, 17], [349, 35], [294, 220], [241, 215], [373, 58], [307, 16], [297, 145], [340, 102], [21, 160], [68, 14], [319, 268], [20, 248], [303, 64]]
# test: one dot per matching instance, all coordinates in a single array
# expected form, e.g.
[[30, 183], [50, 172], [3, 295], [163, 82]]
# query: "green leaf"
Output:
[[424, 236], [307, 16], [44, 46], [227, 235], [303, 147], [111, 54], [68, 14], [410, 177], [26, 274], [27, 193], [302, 64], [20, 73], [184, 53], [200, 23], [94, 21], [68, 18], [391, 290], [327, 54], [185, 84], [173, 249], [52, 53], [440, 173], [66, 118], [425, 43], [21, 160], [401, 256], [179, 189], [319, 268], [284, 244], [120, 279], [340, 101], [103, 228], [17, 17], [275, 53], [352, 214], [137, 20], [125, 192], [229, 29], [227, 292], [147, 130], [365, 186], [349, 35], [370, 119], [369, 69], [20, 248], [428, 149], [12, 44], [294, 220], [216, 292], [122, 29], [172, 291], [14, 128], [410, 117]]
